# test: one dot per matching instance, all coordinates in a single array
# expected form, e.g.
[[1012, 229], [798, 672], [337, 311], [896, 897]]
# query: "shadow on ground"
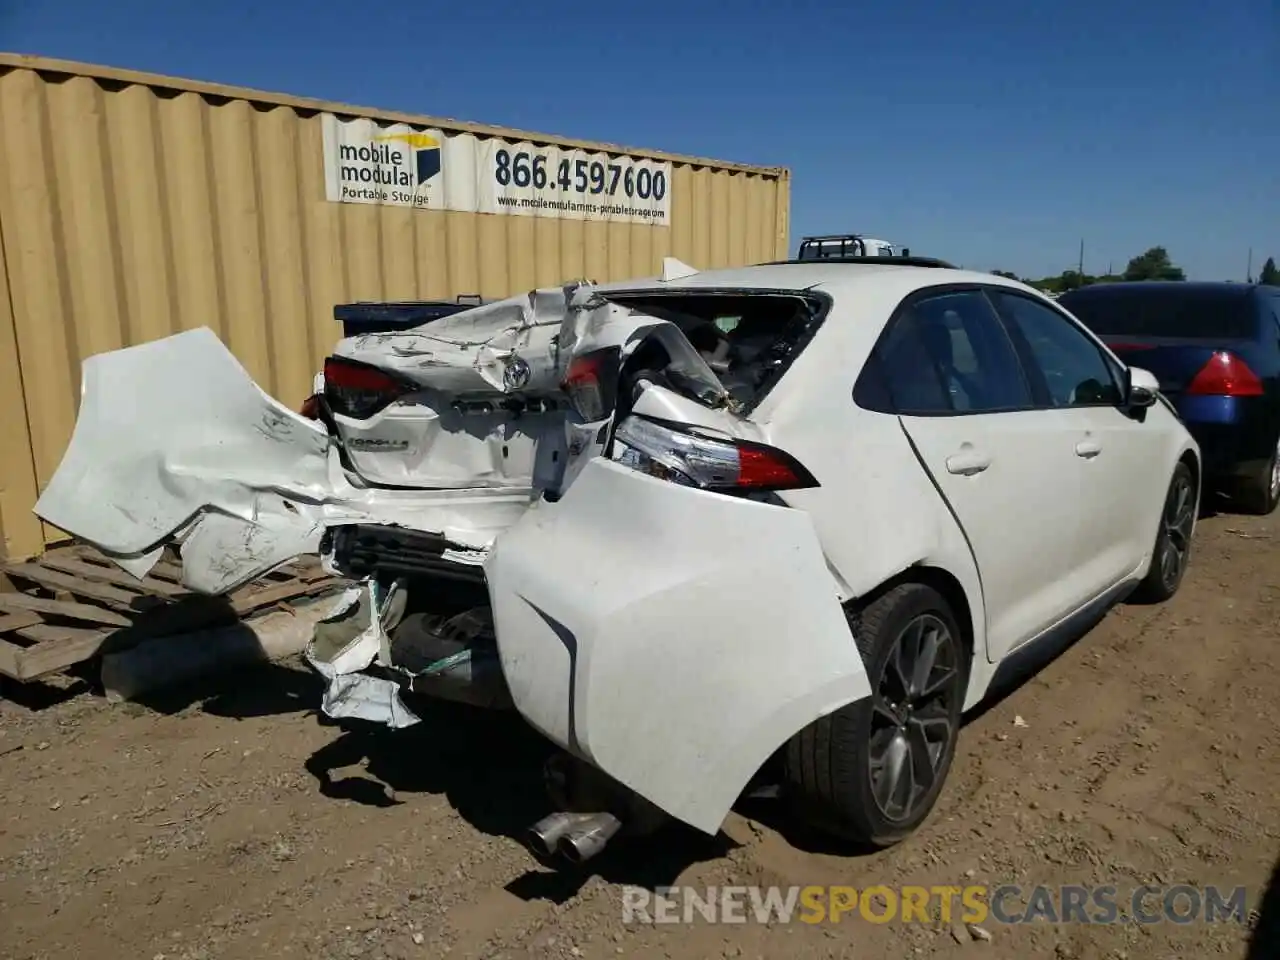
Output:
[[771, 811], [37, 695], [1264, 942], [257, 690], [489, 766], [803, 835], [1029, 662]]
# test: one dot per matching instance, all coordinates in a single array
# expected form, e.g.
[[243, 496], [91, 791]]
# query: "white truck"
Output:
[[847, 245]]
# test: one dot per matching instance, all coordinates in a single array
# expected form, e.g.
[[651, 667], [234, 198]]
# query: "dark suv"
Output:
[[1215, 348]]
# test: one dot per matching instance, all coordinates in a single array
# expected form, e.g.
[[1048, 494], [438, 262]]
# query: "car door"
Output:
[[1006, 469], [1119, 459]]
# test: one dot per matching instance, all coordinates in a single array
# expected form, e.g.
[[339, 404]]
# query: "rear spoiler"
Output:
[[366, 317]]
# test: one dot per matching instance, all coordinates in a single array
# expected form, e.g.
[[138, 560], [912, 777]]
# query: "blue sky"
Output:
[[994, 134]]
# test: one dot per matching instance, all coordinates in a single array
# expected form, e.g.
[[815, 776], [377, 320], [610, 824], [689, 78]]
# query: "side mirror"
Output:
[[1141, 387]]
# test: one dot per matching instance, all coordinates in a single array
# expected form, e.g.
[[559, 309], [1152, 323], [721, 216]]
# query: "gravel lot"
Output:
[[230, 822]]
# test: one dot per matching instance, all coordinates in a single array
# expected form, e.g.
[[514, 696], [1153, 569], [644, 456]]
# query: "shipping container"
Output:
[[133, 206]]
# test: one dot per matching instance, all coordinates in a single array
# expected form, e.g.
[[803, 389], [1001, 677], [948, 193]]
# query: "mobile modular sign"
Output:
[[402, 166]]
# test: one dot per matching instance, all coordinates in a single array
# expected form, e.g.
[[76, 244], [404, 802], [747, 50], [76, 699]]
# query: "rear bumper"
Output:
[[1232, 432], [672, 638], [375, 671]]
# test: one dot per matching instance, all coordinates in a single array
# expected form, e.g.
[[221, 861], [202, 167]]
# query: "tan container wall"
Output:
[[130, 210]]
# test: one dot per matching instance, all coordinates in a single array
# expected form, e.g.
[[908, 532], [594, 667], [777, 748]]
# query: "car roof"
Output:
[[1139, 287], [834, 277]]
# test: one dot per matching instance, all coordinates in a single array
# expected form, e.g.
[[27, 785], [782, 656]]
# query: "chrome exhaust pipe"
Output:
[[584, 840], [544, 836]]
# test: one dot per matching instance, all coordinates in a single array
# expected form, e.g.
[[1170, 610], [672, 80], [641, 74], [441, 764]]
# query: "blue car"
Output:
[[1215, 348]]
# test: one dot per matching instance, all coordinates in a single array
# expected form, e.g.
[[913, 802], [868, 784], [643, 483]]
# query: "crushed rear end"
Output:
[[579, 519]]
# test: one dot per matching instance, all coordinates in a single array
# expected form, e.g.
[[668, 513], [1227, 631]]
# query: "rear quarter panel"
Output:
[[674, 638], [876, 511]]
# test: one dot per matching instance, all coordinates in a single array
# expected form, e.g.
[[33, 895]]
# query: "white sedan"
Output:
[[812, 509]]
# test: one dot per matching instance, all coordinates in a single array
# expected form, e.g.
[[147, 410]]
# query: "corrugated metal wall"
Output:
[[134, 206]]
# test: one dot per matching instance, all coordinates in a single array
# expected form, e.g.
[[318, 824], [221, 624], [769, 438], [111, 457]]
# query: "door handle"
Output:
[[968, 462], [1087, 449]]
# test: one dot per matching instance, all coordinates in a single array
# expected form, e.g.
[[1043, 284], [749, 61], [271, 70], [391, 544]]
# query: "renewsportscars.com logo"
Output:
[[1103, 904]]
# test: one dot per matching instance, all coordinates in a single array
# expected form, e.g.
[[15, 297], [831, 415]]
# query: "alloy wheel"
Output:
[[912, 725], [1179, 518], [1275, 473]]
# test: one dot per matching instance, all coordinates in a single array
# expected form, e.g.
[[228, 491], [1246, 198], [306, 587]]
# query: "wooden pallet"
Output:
[[72, 604]]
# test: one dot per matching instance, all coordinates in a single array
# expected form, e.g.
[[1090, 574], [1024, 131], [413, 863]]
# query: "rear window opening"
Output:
[[747, 339], [1176, 312]]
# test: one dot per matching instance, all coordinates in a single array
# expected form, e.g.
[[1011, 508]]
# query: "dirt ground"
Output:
[[230, 822]]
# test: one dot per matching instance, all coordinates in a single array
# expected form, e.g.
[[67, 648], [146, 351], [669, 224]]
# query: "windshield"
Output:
[[1184, 313]]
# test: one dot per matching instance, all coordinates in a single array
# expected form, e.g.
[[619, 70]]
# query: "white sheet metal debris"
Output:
[[346, 643]]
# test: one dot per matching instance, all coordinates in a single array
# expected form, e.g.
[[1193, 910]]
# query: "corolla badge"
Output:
[[376, 444], [517, 374]]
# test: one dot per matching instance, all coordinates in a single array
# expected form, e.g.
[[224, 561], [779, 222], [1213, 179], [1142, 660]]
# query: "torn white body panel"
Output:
[[489, 412], [596, 324], [521, 345], [673, 269], [675, 642], [509, 346], [346, 642], [659, 403], [175, 441]]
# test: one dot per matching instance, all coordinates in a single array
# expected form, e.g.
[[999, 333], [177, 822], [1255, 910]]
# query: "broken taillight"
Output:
[[674, 452], [311, 407], [359, 390], [1225, 375], [592, 383]]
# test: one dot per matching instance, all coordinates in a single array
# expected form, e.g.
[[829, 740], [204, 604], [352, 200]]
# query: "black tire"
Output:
[[1172, 549], [1258, 493], [827, 767]]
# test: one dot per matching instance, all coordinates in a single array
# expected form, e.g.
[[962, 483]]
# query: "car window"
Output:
[[1076, 372], [948, 353], [1275, 309]]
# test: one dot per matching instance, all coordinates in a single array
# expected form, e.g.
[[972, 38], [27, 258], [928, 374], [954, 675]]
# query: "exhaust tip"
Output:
[[570, 851], [586, 841], [538, 843], [544, 837]]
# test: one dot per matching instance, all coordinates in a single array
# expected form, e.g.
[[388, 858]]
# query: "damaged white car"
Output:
[[800, 513]]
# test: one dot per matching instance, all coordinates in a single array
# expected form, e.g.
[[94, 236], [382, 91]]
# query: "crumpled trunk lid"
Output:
[[175, 442]]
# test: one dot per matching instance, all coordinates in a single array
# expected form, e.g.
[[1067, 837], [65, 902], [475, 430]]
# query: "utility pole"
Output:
[[1082, 260], [1248, 273]]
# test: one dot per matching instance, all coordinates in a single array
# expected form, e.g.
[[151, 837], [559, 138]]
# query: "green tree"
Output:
[[1072, 280], [1270, 274], [1006, 274], [1153, 265]]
